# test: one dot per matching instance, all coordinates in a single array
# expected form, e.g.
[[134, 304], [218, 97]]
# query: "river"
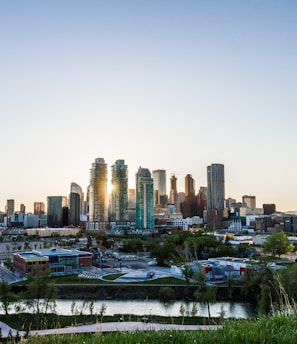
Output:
[[154, 307]]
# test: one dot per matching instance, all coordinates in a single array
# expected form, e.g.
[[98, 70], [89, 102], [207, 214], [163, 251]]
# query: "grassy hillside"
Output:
[[275, 329]]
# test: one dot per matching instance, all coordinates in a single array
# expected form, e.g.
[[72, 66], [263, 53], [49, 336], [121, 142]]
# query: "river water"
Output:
[[154, 307]]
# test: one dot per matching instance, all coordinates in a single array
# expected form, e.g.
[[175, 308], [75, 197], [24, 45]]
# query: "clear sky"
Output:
[[163, 84]]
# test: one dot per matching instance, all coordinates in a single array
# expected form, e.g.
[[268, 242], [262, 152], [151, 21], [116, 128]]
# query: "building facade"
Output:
[[144, 199], [38, 208], [215, 187], [75, 204], [59, 261], [249, 201], [119, 193], [56, 211], [98, 192], [160, 189], [10, 207]]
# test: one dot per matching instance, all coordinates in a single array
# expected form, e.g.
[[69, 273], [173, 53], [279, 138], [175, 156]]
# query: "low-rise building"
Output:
[[59, 261]]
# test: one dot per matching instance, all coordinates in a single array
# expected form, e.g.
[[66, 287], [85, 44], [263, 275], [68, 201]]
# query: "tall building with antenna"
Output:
[[173, 197]]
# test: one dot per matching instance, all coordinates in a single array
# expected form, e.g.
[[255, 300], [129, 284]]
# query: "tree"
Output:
[[187, 272], [40, 293], [277, 244], [206, 294], [7, 297]]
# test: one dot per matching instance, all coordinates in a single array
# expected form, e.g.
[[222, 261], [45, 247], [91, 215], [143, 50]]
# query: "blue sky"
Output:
[[162, 84]]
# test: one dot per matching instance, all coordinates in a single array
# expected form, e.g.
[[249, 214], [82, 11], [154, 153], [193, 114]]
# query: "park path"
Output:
[[107, 327]]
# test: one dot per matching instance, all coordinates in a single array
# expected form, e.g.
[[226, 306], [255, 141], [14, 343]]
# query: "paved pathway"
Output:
[[108, 327]]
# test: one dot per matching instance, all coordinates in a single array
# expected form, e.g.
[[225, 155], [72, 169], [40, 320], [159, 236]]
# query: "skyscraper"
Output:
[[98, 191], [173, 192], [215, 187], [10, 207], [144, 199], [39, 208], [159, 177], [75, 204], [189, 187], [189, 207], [56, 209], [119, 193]]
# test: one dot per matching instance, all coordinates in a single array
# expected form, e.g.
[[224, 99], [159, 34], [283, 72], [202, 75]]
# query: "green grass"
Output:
[[265, 330]]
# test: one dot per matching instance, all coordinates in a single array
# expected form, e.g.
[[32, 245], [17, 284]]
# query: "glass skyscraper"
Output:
[[98, 191], [144, 199], [119, 193]]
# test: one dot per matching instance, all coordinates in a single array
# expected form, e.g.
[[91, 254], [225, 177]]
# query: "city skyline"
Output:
[[174, 85]]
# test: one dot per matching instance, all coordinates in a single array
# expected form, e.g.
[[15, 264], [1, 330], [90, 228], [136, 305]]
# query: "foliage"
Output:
[[187, 272], [288, 278], [132, 245], [205, 293], [7, 297], [40, 293], [277, 244], [166, 294]]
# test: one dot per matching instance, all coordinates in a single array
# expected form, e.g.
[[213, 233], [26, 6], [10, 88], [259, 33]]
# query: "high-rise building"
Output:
[[56, 209], [159, 177], [202, 201], [189, 187], [144, 199], [23, 208], [75, 204], [189, 206], [10, 207], [39, 208], [98, 191], [249, 201], [216, 187], [173, 193], [132, 205], [119, 193]]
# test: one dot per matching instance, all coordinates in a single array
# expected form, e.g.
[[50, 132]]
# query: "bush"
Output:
[[166, 294]]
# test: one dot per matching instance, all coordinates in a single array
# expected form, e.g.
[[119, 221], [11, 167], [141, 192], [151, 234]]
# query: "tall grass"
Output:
[[265, 330]]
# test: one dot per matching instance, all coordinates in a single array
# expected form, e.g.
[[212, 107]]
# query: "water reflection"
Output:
[[153, 307]]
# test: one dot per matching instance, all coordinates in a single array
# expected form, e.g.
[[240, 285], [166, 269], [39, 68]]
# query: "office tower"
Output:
[[216, 187], [189, 187], [10, 207], [161, 198], [132, 205], [202, 201], [249, 201], [75, 204], [119, 193], [23, 208], [144, 199], [98, 191], [39, 208], [56, 211], [189, 206], [173, 191]]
